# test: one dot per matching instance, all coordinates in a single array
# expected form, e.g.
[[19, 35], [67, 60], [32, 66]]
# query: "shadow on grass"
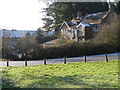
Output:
[[48, 81], [6, 82], [75, 81]]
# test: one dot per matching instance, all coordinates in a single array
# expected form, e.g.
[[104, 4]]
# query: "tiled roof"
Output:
[[97, 15], [91, 21], [95, 18]]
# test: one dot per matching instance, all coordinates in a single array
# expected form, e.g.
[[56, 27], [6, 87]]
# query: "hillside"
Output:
[[58, 42]]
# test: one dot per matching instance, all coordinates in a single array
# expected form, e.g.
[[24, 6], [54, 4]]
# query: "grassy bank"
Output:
[[72, 75]]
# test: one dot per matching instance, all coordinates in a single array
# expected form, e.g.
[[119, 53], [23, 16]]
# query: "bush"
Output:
[[74, 50]]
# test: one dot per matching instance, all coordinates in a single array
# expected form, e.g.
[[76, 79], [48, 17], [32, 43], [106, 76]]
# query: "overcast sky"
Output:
[[21, 14]]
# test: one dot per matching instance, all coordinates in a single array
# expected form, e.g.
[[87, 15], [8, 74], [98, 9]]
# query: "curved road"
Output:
[[101, 57]]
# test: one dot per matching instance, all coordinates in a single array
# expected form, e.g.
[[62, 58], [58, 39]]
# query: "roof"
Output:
[[85, 24], [95, 18], [92, 21], [63, 24], [71, 23], [97, 15]]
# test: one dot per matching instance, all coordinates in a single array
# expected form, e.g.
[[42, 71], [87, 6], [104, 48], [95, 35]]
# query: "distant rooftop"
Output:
[[15, 33], [19, 33]]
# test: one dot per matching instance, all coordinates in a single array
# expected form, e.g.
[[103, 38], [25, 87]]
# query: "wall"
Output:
[[88, 33]]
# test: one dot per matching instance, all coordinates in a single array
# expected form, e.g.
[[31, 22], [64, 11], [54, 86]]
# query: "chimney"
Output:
[[79, 14], [111, 6]]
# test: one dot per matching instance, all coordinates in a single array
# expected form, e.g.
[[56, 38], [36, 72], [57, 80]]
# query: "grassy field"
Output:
[[60, 42], [72, 75]]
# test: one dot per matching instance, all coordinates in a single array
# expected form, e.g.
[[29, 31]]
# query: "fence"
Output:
[[105, 57]]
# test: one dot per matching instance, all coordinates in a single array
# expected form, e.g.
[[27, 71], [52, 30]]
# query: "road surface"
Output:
[[111, 56]]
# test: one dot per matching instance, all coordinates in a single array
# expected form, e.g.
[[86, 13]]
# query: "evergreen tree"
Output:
[[58, 12], [39, 36], [117, 8]]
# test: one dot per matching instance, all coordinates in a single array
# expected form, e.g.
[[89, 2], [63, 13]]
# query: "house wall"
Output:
[[95, 28], [68, 32], [63, 30], [81, 31], [88, 33], [81, 34]]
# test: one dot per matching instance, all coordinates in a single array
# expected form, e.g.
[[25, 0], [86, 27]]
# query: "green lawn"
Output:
[[71, 75]]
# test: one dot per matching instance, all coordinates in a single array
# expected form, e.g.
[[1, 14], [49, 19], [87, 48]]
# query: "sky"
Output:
[[21, 14]]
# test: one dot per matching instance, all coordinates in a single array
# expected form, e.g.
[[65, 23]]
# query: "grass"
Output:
[[71, 75], [60, 42]]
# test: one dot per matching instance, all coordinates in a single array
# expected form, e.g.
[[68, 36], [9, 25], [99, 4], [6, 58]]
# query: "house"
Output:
[[83, 28], [86, 27]]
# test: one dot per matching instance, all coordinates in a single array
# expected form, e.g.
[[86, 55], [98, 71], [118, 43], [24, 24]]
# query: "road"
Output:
[[111, 56]]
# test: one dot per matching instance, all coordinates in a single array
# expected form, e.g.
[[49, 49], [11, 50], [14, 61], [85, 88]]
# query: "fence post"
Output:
[[7, 63], [64, 60], [106, 58], [25, 62], [85, 58], [44, 61]]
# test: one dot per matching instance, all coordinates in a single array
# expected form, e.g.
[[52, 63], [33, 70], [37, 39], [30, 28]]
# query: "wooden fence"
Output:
[[64, 60]]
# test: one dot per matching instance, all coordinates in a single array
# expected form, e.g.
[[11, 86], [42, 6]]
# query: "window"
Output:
[[96, 27]]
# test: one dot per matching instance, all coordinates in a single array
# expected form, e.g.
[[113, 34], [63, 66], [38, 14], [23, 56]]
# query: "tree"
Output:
[[39, 36], [109, 34], [26, 45], [58, 12], [6, 49], [117, 8]]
